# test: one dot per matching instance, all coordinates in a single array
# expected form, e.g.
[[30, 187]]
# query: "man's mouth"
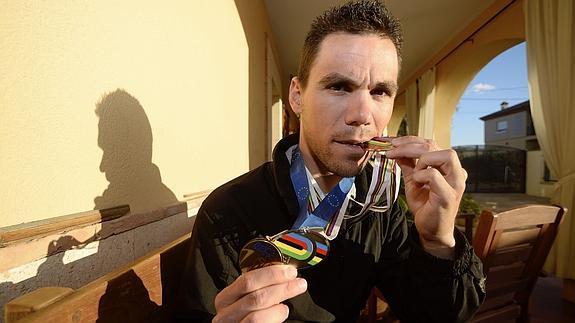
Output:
[[351, 142], [355, 147]]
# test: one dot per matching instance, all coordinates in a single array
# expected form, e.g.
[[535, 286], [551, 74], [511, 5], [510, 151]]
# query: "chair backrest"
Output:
[[513, 246]]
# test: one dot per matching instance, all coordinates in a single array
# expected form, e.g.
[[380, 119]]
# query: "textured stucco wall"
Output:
[[534, 183], [106, 103], [258, 32]]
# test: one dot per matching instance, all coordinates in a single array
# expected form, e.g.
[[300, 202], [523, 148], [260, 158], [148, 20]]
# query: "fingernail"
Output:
[[302, 284], [286, 313], [291, 272]]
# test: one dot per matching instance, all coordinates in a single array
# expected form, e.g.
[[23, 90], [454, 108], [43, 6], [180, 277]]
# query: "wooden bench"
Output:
[[144, 291]]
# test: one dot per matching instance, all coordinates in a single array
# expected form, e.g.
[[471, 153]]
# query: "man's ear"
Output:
[[295, 94]]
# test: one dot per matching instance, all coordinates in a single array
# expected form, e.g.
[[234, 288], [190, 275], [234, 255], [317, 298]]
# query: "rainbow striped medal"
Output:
[[306, 244], [300, 248]]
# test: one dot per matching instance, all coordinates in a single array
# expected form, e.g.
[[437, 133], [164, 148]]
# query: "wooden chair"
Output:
[[513, 246], [374, 311]]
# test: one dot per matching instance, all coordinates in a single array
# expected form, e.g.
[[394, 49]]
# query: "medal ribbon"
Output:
[[328, 208], [385, 180]]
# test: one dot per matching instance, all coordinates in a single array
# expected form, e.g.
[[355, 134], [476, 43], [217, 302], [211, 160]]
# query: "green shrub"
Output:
[[468, 205]]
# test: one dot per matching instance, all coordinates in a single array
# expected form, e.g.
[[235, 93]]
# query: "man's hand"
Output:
[[256, 296], [434, 184]]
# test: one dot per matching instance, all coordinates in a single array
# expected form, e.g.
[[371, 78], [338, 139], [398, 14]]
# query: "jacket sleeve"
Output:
[[420, 287], [209, 269]]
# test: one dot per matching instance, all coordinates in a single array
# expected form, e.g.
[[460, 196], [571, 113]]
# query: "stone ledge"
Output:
[[24, 243]]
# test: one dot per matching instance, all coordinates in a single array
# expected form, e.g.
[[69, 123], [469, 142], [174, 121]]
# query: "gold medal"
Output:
[[379, 144]]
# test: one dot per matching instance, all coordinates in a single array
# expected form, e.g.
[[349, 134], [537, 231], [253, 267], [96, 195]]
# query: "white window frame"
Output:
[[501, 129]]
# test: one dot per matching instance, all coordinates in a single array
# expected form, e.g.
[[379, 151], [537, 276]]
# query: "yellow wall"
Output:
[[106, 103], [399, 112], [258, 31], [534, 184]]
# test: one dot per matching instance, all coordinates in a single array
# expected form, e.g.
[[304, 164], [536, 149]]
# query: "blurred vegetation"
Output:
[[468, 205]]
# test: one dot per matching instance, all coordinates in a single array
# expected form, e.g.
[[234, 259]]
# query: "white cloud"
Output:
[[483, 87]]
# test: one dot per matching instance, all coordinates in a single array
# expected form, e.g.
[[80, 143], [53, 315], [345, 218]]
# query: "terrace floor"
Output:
[[546, 304], [503, 201]]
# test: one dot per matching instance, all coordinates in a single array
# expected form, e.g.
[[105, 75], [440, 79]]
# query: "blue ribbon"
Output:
[[327, 208]]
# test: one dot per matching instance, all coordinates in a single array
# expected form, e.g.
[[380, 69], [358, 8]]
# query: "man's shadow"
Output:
[[125, 300], [125, 137]]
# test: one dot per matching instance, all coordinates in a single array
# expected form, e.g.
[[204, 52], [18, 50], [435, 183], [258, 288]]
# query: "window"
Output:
[[532, 144], [501, 126], [547, 176]]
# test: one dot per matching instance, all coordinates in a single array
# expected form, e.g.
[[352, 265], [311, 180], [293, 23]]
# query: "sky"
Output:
[[502, 79]]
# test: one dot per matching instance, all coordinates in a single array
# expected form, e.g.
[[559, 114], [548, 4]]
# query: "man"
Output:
[[344, 95]]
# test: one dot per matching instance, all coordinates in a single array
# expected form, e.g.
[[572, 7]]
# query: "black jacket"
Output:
[[377, 249]]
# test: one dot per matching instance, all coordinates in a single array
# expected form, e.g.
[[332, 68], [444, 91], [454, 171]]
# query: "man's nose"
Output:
[[359, 112]]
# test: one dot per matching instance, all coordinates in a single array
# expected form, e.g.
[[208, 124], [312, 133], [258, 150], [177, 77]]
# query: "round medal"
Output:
[[258, 253]]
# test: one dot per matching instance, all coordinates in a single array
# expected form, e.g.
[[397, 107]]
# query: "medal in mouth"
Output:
[[378, 144]]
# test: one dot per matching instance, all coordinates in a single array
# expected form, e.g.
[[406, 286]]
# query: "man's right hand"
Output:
[[256, 296]]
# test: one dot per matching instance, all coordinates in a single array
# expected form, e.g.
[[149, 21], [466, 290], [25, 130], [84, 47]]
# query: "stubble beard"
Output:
[[329, 163]]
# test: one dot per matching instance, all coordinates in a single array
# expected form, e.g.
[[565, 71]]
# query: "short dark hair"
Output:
[[358, 17]]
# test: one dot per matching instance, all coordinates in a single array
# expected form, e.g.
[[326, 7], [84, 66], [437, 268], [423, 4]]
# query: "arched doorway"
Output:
[[501, 84], [456, 71]]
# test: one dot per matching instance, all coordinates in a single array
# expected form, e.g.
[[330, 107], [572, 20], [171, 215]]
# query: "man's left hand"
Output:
[[434, 184]]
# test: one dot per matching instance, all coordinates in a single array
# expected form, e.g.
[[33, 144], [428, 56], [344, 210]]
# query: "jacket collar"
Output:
[[281, 174]]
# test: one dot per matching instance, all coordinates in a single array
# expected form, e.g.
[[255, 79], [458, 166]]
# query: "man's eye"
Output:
[[339, 87], [379, 92]]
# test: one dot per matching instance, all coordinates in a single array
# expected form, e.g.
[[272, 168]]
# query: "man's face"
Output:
[[348, 99]]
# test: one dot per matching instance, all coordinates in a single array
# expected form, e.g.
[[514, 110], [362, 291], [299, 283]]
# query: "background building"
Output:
[[513, 127]]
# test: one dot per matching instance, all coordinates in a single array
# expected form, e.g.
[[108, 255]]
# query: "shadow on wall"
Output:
[[125, 136], [55, 270], [60, 270]]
